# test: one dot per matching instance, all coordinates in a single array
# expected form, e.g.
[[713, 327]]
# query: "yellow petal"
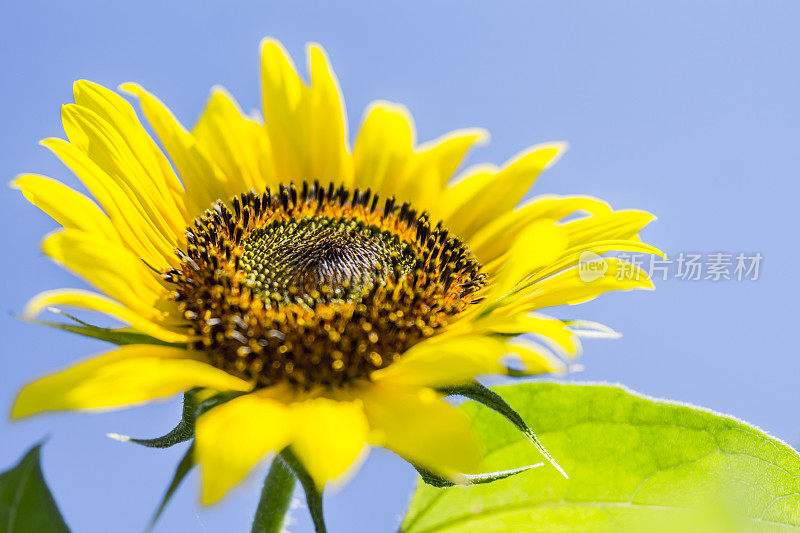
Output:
[[535, 247], [535, 358], [157, 173], [305, 125], [496, 237], [128, 375], [238, 145], [127, 216], [615, 225], [108, 147], [592, 330], [487, 193], [101, 262], [204, 181], [573, 255], [567, 287], [67, 206], [101, 304], [383, 148], [517, 324], [233, 437], [385, 158], [433, 163], [104, 146], [330, 436], [449, 361], [285, 111], [328, 120], [421, 427]]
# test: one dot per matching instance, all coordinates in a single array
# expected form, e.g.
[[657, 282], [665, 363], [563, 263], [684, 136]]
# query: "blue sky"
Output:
[[686, 109]]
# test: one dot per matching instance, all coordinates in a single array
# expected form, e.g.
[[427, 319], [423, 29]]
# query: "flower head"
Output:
[[337, 290]]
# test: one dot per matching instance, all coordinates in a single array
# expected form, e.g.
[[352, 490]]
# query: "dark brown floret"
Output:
[[318, 285]]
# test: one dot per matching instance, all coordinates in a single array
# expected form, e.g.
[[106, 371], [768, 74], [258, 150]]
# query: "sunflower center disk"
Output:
[[299, 259], [317, 286]]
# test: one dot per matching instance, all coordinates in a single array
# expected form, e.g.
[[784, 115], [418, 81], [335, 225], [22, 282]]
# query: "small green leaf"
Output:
[[184, 429], [119, 337], [636, 465], [276, 495], [495, 402], [471, 479], [183, 468], [26, 504]]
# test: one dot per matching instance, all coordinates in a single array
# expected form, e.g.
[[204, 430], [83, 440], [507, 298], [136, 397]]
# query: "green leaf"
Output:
[[119, 337], [636, 465], [276, 495], [26, 504]]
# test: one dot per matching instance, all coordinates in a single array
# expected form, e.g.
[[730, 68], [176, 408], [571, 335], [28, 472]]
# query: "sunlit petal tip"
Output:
[[535, 357], [482, 136], [80, 85], [49, 142], [319, 65], [18, 413], [552, 367], [218, 91], [118, 437], [479, 137], [577, 350], [387, 106], [130, 87], [69, 110], [559, 148], [589, 329], [316, 52], [34, 306], [271, 44], [14, 184], [651, 217], [273, 50], [660, 253], [649, 285], [639, 280]]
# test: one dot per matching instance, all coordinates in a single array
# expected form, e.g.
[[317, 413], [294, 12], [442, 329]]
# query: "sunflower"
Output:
[[336, 291]]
